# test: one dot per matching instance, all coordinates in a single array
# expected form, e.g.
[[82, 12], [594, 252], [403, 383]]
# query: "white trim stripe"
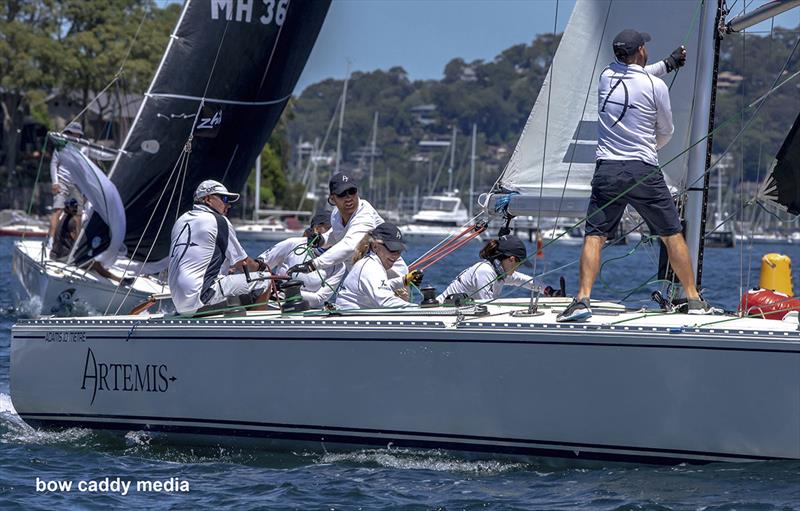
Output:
[[221, 101]]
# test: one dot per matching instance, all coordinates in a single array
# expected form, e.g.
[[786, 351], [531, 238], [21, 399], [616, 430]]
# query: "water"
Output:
[[219, 478]]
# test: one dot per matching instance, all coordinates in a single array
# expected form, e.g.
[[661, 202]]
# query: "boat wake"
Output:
[[13, 430], [409, 459]]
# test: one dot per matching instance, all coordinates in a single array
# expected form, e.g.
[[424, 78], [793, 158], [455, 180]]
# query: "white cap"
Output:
[[211, 187]]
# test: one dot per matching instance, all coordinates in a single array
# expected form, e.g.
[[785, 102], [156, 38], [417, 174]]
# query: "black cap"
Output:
[[390, 235], [320, 217], [72, 203], [628, 41], [510, 245], [342, 182]]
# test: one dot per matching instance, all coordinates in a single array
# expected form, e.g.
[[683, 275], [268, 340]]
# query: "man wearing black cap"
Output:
[[635, 120], [318, 285], [352, 219]]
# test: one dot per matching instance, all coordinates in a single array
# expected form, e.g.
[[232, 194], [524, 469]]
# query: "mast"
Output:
[[702, 126], [372, 154], [472, 169], [452, 161], [258, 188], [341, 120]]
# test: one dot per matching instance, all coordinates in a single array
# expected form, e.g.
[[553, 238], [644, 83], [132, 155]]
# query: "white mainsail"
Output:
[[556, 150]]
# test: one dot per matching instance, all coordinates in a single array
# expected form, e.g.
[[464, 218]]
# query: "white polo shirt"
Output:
[[475, 282], [635, 116], [367, 286], [319, 285], [203, 248]]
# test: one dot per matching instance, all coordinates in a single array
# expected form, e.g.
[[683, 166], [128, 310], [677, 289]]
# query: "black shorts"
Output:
[[651, 198]]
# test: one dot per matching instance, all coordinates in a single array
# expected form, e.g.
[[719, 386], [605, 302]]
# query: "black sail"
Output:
[[782, 186], [223, 82]]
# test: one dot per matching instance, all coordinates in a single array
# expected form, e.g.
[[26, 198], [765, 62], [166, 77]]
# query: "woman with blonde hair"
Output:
[[368, 285], [485, 280]]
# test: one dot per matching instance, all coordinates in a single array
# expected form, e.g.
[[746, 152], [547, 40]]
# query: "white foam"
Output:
[[18, 431], [421, 460]]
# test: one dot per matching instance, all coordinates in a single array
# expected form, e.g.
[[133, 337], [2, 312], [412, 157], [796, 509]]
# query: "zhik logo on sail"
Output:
[[121, 377]]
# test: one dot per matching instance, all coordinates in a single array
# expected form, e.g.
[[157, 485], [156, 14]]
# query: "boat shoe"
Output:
[[578, 310], [699, 306]]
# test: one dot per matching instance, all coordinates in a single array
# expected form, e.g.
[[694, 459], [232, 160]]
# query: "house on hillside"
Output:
[[107, 119]]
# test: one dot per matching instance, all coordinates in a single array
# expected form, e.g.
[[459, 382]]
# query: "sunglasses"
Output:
[[347, 193], [223, 198]]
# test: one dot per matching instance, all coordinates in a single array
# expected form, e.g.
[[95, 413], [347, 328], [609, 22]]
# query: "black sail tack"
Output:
[[225, 78], [782, 186]]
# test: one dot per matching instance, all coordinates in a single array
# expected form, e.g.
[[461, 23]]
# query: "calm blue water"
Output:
[[384, 479]]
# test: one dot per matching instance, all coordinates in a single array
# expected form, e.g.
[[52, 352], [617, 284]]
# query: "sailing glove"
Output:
[[306, 267], [413, 277], [676, 59]]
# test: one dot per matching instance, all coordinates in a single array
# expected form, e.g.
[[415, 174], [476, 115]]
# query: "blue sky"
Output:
[[422, 36]]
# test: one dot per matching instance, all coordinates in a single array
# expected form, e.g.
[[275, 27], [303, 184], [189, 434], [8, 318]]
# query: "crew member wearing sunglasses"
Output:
[[204, 249], [352, 219], [367, 285]]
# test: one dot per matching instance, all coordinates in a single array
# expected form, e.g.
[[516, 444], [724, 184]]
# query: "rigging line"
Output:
[[741, 167], [791, 77], [583, 112], [546, 126], [318, 151], [141, 238], [275, 44], [130, 46], [448, 239]]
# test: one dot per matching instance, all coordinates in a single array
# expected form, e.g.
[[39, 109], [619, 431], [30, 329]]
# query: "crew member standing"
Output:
[[62, 186], [203, 250], [318, 285], [635, 120]]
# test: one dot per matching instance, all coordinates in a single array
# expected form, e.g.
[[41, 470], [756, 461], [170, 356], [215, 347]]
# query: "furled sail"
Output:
[[782, 185], [103, 239], [556, 151], [228, 71]]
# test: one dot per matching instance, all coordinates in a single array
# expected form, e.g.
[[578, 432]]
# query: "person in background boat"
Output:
[[67, 230], [318, 285], [635, 120], [352, 219], [203, 250], [485, 280], [368, 286], [62, 185]]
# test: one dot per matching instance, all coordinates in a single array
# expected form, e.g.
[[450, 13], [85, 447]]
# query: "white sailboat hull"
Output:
[[61, 287], [498, 384]]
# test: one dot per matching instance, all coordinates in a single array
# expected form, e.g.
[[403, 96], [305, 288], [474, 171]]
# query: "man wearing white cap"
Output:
[[203, 250], [62, 185]]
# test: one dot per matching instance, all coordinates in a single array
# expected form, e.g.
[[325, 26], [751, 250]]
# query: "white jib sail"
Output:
[[567, 156]]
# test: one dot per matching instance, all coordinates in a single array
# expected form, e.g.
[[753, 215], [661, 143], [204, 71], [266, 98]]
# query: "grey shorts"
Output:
[[650, 198], [67, 190]]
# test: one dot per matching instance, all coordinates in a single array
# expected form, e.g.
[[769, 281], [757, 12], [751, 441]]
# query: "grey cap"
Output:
[[320, 217], [74, 127], [211, 187]]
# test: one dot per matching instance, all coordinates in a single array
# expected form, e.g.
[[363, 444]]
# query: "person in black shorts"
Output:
[[635, 120]]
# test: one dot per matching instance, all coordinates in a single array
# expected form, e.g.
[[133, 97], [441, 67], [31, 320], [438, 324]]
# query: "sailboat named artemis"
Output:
[[487, 378]]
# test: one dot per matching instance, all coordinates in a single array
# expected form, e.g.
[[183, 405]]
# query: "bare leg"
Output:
[[590, 264], [681, 263], [103, 272], [55, 216]]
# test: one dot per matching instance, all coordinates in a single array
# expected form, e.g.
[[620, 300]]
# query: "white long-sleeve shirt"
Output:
[[319, 285], [345, 237], [475, 282], [367, 286], [634, 112]]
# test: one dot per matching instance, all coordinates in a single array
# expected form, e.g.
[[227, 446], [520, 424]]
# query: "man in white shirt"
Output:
[[635, 120], [318, 285], [203, 250], [352, 219]]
